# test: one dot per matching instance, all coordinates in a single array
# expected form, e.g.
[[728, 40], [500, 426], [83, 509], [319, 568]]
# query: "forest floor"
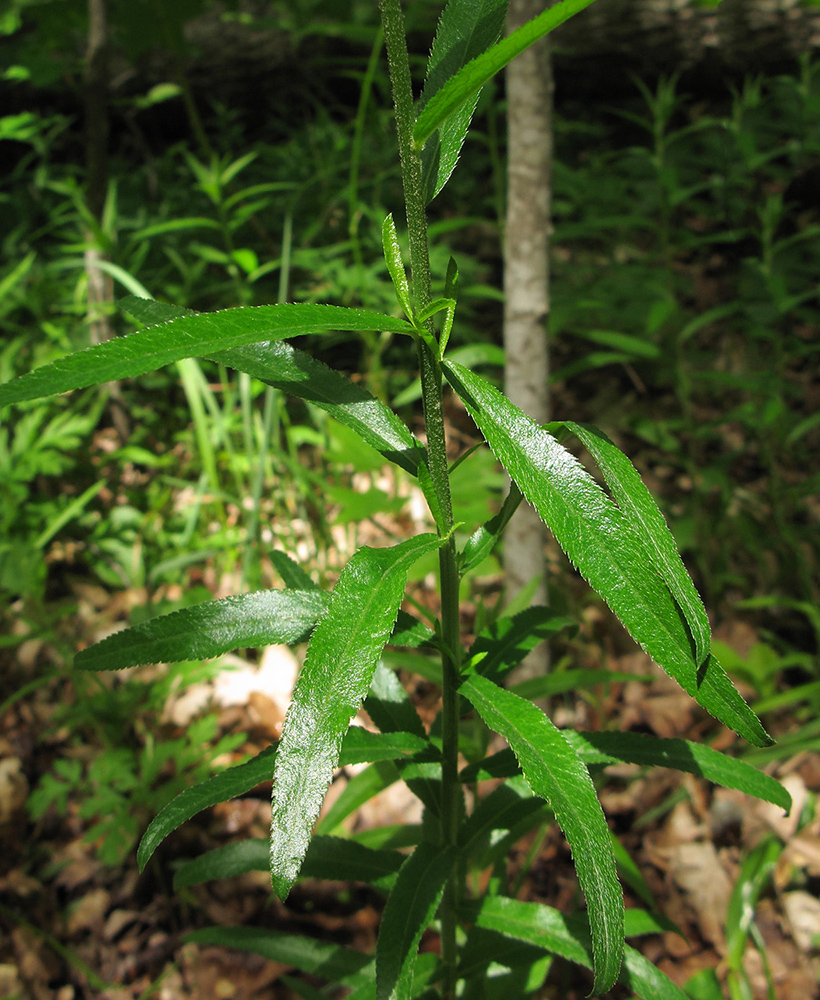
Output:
[[74, 927]]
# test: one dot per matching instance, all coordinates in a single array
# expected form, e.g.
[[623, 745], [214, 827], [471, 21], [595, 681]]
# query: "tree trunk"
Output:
[[526, 289], [100, 284]]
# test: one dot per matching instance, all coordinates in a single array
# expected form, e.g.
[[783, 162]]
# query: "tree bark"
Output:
[[526, 288]]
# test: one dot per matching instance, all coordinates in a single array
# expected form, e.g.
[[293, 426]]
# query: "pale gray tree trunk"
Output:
[[526, 288]]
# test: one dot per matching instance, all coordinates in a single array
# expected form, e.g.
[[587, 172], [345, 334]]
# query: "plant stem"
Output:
[[431, 384]]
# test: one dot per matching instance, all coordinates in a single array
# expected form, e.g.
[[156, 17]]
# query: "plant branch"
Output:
[[431, 383]]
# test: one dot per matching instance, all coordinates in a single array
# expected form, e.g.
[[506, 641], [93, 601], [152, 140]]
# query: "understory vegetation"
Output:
[[685, 323]]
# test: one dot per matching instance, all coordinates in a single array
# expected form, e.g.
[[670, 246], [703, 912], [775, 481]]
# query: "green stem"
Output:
[[431, 385]]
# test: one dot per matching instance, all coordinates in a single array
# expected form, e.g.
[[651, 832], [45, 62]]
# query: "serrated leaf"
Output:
[[634, 499], [568, 937], [202, 631], [465, 30], [484, 539], [554, 772], [334, 858], [504, 644], [682, 755], [599, 539], [410, 908], [505, 808], [395, 265], [574, 680], [389, 705], [360, 789], [460, 88], [189, 336], [219, 788], [293, 576], [332, 685], [360, 746], [330, 961], [298, 374]]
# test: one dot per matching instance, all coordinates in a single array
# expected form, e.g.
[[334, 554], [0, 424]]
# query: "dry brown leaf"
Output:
[[697, 869], [88, 912], [803, 913]]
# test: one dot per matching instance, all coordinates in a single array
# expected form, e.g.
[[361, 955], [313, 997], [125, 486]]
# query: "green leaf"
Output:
[[395, 265], [334, 858], [202, 631], [683, 755], [505, 643], [332, 685], [389, 705], [466, 29], [600, 540], [189, 336], [298, 374], [485, 538], [568, 937], [360, 789], [459, 89], [504, 809], [293, 576], [573, 680], [410, 908], [221, 787], [634, 499], [330, 961], [554, 772], [361, 746]]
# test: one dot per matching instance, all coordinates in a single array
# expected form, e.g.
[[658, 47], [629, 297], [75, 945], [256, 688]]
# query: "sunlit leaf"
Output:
[[189, 336], [554, 771], [634, 499], [466, 29], [459, 89], [602, 543], [332, 685], [202, 631]]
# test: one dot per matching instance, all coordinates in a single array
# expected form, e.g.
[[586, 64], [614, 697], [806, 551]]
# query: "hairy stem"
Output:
[[431, 384]]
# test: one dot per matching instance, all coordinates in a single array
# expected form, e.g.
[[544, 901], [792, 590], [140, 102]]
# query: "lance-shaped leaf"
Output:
[[683, 755], [554, 772], [395, 265], [602, 543], [189, 336], [341, 659], [410, 908], [634, 499], [466, 29], [484, 539], [568, 937], [219, 788], [202, 631], [335, 858], [298, 374], [505, 643], [459, 89], [330, 961]]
